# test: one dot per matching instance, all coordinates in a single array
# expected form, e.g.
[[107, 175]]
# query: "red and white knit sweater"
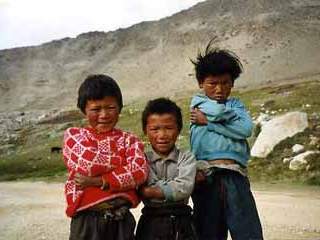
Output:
[[116, 155]]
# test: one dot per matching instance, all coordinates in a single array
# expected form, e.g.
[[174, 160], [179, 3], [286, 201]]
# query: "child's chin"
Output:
[[220, 99], [103, 130]]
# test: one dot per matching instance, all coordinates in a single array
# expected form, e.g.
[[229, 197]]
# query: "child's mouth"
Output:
[[103, 122], [162, 144]]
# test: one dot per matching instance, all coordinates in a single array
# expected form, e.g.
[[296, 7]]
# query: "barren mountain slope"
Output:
[[276, 39]]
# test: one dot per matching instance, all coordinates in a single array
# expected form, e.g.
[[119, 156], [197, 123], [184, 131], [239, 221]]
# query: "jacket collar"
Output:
[[172, 156]]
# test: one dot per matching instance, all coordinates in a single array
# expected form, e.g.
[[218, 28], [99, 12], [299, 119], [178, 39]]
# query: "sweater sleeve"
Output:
[[71, 143], [238, 127], [135, 170], [73, 138]]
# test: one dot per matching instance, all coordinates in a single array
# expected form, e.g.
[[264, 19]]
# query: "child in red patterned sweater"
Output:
[[105, 165]]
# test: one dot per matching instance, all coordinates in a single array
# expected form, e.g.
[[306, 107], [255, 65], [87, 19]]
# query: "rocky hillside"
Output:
[[278, 40]]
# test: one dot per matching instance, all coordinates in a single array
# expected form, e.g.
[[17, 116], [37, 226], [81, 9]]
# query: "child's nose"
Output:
[[162, 134], [103, 113], [219, 87]]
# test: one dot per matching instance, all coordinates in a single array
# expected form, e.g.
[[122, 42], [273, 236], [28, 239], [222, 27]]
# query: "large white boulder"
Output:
[[299, 162], [276, 130]]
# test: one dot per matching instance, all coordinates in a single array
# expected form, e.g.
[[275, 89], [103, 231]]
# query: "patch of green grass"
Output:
[[26, 165], [32, 156], [289, 97]]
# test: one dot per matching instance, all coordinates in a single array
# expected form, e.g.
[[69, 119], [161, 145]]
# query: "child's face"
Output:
[[102, 114], [217, 87], [162, 131]]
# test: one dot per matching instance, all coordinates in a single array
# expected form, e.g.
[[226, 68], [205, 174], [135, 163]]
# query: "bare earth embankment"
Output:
[[35, 210]]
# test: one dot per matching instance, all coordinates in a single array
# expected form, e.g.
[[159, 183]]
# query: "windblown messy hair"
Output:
[[215, 62]]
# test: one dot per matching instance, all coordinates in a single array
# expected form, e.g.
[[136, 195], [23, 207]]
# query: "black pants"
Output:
[[89, 225], [166, 223], [225, 202]]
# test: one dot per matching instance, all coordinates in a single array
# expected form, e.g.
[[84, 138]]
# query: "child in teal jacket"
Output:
[[219, 128]]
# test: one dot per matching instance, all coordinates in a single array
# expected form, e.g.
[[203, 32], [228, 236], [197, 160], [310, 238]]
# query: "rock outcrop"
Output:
[[276, 130]]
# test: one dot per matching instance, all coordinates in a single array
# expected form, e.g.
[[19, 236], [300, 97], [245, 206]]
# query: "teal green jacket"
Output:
[[224, 137]]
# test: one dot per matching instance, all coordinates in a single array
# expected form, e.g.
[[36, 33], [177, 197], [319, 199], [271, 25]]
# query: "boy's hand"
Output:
[[200, 176], [151, 192], [198, 117], [85, 181]]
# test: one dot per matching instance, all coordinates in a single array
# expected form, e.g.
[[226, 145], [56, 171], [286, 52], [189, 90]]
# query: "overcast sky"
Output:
[[32, 22]]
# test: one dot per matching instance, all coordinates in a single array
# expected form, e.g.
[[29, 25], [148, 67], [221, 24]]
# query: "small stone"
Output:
[[314, 140], [262, 119], [314, 115], [297, 148], [299, 162], [287, 159], [308, 167]]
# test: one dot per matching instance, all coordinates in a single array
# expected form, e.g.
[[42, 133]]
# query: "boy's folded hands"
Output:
[[198, 117], [84, 181], [150, 192]]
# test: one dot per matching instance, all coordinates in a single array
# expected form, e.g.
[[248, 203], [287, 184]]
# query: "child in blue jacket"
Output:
[[220, 126]]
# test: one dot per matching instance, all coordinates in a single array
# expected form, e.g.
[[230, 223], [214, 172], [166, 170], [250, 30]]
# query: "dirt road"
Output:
[[35, 210]]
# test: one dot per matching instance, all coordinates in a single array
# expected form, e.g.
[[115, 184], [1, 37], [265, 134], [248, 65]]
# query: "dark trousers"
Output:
[[166, 223], [90, 225], [224, 202]]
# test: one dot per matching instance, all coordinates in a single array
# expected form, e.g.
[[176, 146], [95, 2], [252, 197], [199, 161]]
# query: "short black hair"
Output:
[[161, 106], [215, 62], [96, 87]]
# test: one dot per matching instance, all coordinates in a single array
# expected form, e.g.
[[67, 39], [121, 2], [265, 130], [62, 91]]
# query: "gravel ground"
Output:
[[35, 210]]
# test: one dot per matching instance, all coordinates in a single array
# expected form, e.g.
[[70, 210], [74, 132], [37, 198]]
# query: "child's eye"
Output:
[[111, 108], [211, 84]]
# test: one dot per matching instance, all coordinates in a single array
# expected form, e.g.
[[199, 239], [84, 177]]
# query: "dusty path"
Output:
[[35, 210]]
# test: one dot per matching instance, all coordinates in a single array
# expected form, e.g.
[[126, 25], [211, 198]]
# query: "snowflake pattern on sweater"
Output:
[[116, 155]]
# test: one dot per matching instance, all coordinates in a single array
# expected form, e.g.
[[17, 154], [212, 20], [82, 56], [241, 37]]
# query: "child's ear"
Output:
[[201, 85], [82, 113]]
